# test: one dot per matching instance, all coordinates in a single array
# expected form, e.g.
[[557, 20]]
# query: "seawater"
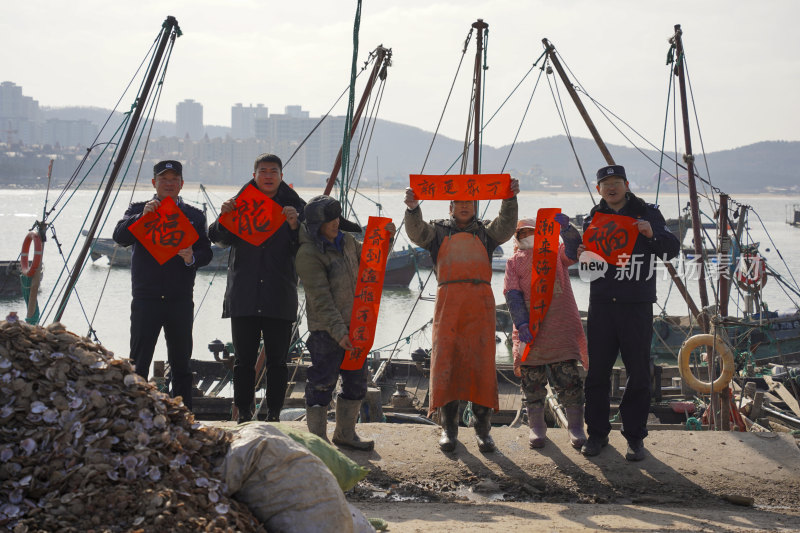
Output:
[[397, 325]]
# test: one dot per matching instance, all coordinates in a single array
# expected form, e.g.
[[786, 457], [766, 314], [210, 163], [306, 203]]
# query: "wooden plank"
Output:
[[778, 388], [419, 388]]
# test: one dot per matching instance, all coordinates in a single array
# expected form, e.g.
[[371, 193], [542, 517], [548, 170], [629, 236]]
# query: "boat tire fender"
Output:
[[706, 339], [30, 267]]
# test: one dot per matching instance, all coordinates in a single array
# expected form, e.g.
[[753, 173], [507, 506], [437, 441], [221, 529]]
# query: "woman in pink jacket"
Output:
[[560, 343]]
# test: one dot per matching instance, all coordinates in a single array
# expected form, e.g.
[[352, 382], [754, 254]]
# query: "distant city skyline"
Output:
[[744, 69]]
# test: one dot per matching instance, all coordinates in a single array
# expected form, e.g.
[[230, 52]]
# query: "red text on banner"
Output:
[[255, 218], [369, 286], [611, 237], [462, 187], [165, 231], [543, 270]]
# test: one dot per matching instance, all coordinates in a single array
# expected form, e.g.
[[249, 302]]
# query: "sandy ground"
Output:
[[685, 484]]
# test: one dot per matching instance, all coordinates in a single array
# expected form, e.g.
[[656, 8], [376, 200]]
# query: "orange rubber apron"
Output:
[[463, 353]]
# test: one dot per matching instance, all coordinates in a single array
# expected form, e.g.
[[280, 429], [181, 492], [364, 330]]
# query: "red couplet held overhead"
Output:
[[462, 187], [255, 218], [611, 237], [543, 270], [165, 231], [367, 301]]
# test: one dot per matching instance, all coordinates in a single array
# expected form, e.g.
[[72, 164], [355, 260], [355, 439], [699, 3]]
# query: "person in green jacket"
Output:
[[327, 263]]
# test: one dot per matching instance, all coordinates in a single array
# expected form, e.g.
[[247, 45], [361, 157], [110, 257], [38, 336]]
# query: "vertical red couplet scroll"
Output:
[[369, 286], [165, 231], [543, 273]]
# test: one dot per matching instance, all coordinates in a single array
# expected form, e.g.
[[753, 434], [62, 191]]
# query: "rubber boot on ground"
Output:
[[317, 420], [483, 424], [537, 435], [448, 414], [577, 437], [344, 434]]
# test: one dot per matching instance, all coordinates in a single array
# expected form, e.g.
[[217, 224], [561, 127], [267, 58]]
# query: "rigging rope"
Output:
[[327, 113], [447, 100], [348, 123], [562, 116]]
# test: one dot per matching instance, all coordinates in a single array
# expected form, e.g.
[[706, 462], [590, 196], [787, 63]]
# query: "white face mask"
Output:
[[526, 243]]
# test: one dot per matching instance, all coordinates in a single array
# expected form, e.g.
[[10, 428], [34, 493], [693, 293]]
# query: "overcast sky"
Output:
[[742, 57]]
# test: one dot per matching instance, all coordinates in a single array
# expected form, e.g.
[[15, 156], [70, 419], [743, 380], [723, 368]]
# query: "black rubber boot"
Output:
[[483, 424], [594, 445], [448, 415]]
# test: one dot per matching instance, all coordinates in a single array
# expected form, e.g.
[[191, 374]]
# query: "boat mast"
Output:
[[480, 26], [688, 158], [724, 256], [551, 54], [169, 30], [550, 49], [382, 58]]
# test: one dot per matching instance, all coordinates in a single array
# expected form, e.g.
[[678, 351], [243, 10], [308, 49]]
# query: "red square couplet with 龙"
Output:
[[255, 218], [165, 231]]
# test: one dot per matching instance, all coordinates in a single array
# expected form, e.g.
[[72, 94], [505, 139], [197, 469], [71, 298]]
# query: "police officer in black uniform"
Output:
[[162, 294], [620, 319]]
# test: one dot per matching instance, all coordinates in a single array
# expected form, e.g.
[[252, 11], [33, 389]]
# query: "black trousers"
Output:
[[324, 372], [246, 332], [627, 330], [148, 317]]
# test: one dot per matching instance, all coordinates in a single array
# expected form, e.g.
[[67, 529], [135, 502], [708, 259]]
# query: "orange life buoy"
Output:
[[751, 272], [30, 268], [728, 366]]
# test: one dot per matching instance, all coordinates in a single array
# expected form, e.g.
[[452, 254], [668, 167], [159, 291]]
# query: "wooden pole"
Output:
[[169, 30], [380, 54], [724, 256], [479, 26], [689, 160]]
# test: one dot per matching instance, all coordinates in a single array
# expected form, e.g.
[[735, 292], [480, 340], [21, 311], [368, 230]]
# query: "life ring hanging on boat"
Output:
[[725, 354], [751, 272], [29, 268]]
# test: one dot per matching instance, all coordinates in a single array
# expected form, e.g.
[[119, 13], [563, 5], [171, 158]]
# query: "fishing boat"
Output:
[[793, 215], [9, 279]]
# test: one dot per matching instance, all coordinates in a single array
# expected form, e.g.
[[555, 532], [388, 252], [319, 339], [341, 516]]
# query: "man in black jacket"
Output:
[[620, 319], [261, 296], [162, 294]]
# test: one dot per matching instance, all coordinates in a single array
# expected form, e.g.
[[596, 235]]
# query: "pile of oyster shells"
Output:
[[87, 445]]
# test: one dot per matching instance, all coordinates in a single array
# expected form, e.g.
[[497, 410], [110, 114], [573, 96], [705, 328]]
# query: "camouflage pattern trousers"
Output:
[[563, 377]]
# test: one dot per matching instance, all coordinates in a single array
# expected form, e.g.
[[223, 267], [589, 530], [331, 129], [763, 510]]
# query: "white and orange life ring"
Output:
[[751, 272], [26, 266], [721, 347]]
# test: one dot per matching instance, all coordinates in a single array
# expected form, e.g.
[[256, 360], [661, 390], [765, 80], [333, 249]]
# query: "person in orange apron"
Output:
[[463, 351]]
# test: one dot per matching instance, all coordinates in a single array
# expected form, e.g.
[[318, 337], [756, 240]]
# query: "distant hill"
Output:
[[550, 163], [397, 150]]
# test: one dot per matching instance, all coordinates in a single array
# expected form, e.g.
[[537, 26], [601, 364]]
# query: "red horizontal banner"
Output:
[[165, 231], [462, 187]]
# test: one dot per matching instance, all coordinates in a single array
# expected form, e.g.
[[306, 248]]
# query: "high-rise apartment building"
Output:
[[189, 120], [243, 120], [19, 115]]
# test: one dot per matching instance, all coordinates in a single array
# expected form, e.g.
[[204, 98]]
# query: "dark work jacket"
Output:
[[173, 279], [645, 252], [262, 280]]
